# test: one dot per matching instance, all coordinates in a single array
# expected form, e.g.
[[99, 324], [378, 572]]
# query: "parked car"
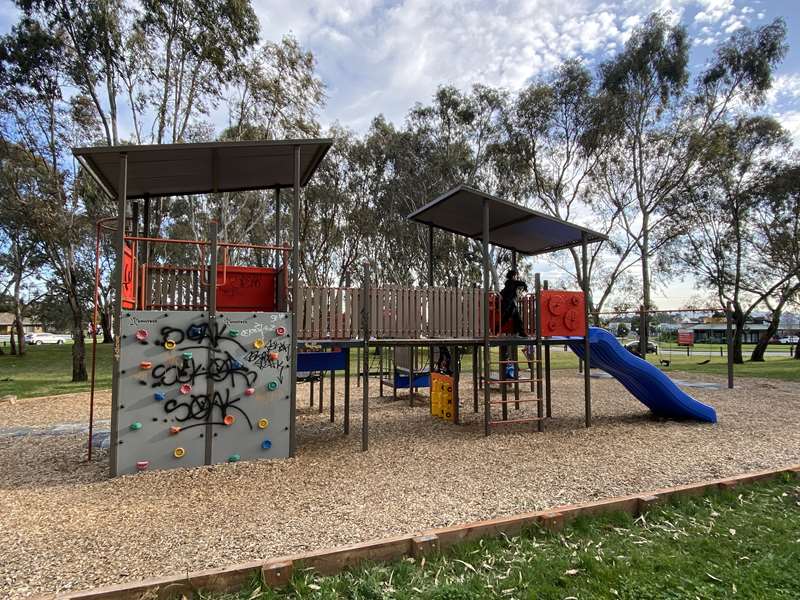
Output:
[[37, 339], [789, 339], [633, 347]]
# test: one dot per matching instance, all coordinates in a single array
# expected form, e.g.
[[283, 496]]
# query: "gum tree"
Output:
[[660, 123]]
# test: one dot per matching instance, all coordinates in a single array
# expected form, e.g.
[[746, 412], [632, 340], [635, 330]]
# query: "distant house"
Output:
[[28, 325], [712, 330], [715, 332]]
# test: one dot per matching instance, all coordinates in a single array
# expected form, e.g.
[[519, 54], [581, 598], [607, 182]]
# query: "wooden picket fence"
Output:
[[398, 312], [335, 313], [172, 288]]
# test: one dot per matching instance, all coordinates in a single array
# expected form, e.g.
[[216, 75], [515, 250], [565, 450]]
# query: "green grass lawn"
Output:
[[774, 367], [47, 370], [740, 544]]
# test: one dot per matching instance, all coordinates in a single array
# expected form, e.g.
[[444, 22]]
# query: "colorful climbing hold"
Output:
[[273, 356], [236, 364], [145, 364], [142, 465], [233, 332], [272, 386], [263, 423], [280, 330], [249, 391], [187, 356], [159, 396], [136, 426], [266, 444], [174, 430], [234, 458], [142, 334], [179, 452], [228, 419], [185, 388], [169, 344], [258, 343]]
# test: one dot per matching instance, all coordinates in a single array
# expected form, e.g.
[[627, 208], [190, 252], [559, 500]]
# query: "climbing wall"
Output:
[[563, 313], [193, 393], [442, 397]]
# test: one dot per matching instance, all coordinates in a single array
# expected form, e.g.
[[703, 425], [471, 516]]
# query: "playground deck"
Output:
[[65, 525]]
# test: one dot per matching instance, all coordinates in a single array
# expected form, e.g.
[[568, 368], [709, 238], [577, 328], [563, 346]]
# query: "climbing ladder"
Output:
[[504, 382]]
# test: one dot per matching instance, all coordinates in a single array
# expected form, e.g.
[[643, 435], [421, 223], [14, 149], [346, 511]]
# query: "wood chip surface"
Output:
[[64, 525]]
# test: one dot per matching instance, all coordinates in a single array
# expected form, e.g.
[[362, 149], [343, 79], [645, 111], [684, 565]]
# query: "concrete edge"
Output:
[[277, 571]]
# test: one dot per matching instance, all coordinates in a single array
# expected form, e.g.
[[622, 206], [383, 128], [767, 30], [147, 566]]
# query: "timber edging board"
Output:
[[277, 571]]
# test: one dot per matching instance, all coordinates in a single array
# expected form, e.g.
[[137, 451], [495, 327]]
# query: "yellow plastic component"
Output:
[[169, 345], [442, 397], [258, 343], [263, 423], [179, 452]]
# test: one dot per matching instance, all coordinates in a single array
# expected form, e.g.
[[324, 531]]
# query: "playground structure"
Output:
[[202, 377]]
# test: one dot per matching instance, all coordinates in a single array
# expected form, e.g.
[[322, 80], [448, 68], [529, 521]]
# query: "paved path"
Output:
[[100, 436]]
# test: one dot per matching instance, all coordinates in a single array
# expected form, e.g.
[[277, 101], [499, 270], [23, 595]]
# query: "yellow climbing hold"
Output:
[[258, 343], [179, 452], [169, 344], [263, 423]]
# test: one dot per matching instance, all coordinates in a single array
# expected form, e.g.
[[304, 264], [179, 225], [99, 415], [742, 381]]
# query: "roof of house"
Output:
[[511, 226], [183, 169], [7, 318]]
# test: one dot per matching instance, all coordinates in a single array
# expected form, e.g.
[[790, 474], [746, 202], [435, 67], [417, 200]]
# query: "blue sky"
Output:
[[382, 56]]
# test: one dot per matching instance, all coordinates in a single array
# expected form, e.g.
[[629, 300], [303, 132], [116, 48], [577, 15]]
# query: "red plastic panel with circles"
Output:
[[563, 313]]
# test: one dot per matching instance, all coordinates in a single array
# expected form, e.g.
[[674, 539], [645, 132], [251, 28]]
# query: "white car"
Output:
[[789, 339], [37, 339]]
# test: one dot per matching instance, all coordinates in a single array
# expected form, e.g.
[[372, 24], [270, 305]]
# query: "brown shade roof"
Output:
[[183, 169], [511, 226]]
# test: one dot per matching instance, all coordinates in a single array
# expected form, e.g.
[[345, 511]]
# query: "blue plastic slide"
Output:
[[650, 386]]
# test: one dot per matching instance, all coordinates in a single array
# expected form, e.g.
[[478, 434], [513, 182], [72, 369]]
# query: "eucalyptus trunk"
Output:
[[763, 341], [738, 334]]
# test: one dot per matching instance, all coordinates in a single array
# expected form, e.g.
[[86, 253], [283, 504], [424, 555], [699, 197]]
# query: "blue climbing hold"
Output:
[[159, 396], [236, 364], [266, 444]]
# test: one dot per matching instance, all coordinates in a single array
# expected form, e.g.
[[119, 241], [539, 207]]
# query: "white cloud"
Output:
[[791, 122], [733, 23], [712, 11], [398, 55], [785, 89], [379, 57]]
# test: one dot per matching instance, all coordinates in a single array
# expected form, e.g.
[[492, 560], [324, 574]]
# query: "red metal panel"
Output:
[[128, 278], [686, 337], [247, 288], [563, 313]]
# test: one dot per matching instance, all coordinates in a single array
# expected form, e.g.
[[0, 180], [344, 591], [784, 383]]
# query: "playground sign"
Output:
[[685, 337]]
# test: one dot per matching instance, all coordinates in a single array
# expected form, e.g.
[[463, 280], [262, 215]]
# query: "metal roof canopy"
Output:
[[183, 169], [511, 226]]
